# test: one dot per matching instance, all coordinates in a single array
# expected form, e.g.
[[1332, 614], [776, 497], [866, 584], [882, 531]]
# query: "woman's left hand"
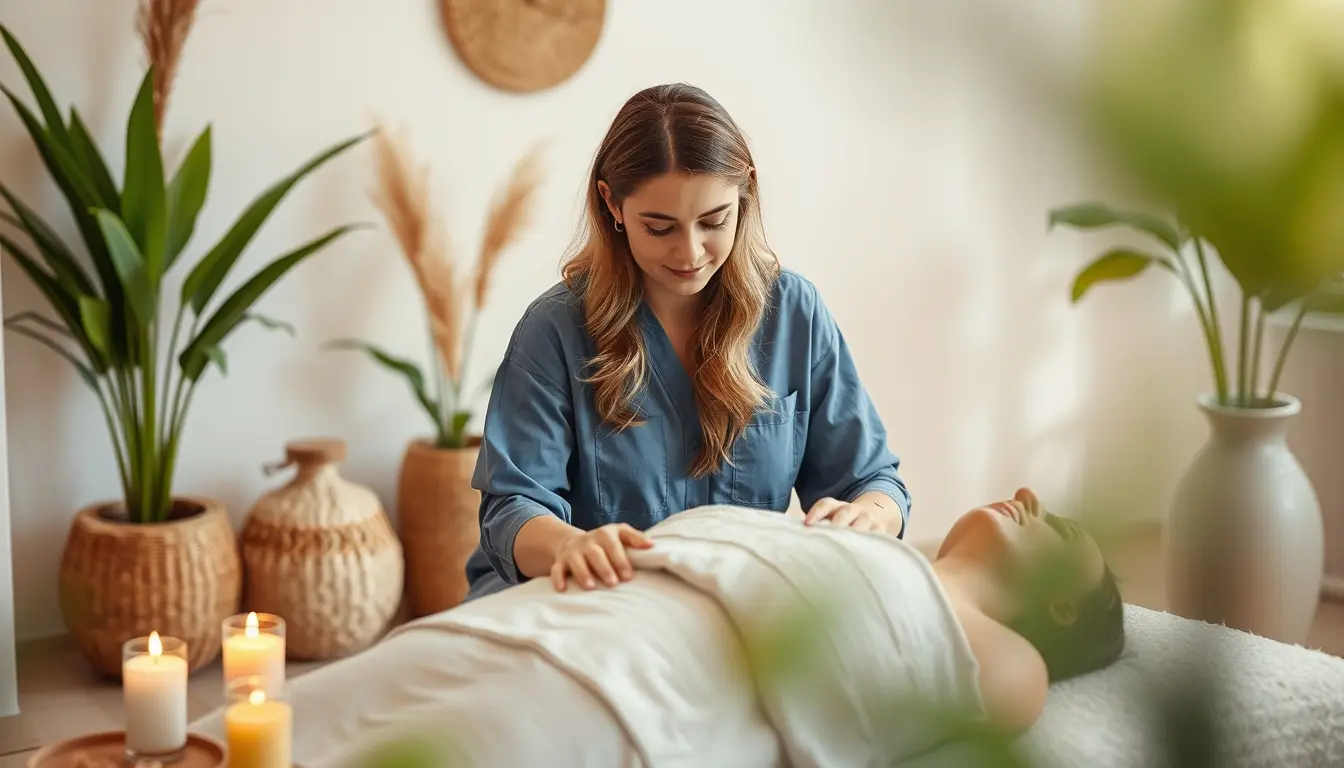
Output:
[[843, 514]]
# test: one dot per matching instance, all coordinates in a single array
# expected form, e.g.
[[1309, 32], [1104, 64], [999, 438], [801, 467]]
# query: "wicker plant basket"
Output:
[[437, 514], [321, 553], [120, 580]]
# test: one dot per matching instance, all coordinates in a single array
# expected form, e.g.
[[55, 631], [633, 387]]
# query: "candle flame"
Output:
[[155, 645], [251, 629], [256, 697]]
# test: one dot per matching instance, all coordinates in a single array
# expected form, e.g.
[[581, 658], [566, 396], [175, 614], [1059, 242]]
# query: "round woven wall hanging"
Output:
[[524, 45]]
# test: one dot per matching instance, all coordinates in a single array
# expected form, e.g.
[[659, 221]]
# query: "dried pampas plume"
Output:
[[163, 26], [402, 194], [509, 215]]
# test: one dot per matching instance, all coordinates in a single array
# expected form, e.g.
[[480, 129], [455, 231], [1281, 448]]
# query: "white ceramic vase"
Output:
[[1245, 542]]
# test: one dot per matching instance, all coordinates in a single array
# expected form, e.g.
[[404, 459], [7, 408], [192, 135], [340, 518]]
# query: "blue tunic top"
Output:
[[545, 450]]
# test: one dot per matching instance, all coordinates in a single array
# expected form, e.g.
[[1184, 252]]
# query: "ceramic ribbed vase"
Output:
[[1245, 545], [320, 552]]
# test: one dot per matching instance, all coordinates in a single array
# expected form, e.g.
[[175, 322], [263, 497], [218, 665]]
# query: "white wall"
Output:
[[902, 169], [9, 678]]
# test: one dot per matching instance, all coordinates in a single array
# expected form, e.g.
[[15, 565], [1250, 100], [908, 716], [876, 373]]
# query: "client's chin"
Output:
[[977, 534]]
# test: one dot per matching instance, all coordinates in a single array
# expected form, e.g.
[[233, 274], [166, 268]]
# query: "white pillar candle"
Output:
[[154, 692], [256, 649]]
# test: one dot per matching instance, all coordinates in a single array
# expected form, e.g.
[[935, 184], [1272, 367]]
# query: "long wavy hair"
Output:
[[674, 128]]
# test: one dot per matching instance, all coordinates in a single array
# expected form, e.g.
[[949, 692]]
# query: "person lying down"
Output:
[[744, 638]]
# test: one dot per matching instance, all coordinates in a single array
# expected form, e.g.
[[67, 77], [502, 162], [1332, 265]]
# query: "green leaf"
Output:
[[144, 206], [38, 86], [409, 370], [459, 422], [1114, 265], [235, 307], [57, 158], [49, 324], [1093, 215], [63, 303], [96, 319], [269, 323], [186, 195], [217, 356], [86, 152], [1282, 293], [202, 282], [55, 252], [84, 371], [76, 188], [130, 265], [1327, 300]]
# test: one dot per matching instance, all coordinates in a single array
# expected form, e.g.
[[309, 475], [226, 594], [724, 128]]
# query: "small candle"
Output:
[[154, 694], [254, 646], [259, 732]]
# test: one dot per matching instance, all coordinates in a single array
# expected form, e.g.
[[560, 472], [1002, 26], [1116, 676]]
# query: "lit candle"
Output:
[[154, 693], [259, 732], [255, 649]]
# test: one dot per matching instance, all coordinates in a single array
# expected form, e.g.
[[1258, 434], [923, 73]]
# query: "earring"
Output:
[[619, 227]]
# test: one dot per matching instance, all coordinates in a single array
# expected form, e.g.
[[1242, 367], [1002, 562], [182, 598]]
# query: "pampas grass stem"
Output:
[[402, 194]]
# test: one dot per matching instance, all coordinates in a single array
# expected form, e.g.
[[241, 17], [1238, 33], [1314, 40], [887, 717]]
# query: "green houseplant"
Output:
[[108, 321], [436, 506], [1229, 116], [1190, 258]]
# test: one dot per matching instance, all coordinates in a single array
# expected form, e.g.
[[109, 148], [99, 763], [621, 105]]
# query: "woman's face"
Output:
[[1009, 538], [681, 228]]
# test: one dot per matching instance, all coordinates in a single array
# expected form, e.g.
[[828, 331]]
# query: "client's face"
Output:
[[1007, 539]]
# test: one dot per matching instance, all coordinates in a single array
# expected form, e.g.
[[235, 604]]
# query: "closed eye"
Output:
[[721, 224]]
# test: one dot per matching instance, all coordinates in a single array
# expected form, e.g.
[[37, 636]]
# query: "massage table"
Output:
[[1278, 705], [505, 678]]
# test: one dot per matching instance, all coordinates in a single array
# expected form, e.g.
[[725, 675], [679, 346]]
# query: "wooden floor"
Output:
[[61, 697]]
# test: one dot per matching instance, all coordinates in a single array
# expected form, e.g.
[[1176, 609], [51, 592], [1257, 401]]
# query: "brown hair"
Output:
[[675, 128]]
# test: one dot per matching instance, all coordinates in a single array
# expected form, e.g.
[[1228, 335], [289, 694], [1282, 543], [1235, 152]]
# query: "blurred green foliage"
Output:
[[1228, 116]]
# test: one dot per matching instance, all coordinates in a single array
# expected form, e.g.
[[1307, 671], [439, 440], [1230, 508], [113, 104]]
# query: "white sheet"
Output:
[[654, 672]]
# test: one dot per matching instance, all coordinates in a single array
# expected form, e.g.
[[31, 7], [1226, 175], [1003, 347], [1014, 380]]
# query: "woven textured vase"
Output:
[[120, 580], [437, 514], [320, 553]]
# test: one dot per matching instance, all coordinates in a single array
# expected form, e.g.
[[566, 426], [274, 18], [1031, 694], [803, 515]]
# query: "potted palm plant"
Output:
[[1229, 115], [437, 507], [153, 559]]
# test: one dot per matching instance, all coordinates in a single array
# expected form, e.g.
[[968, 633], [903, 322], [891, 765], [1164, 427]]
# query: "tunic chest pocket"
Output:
[[765, 457], [631, 469]]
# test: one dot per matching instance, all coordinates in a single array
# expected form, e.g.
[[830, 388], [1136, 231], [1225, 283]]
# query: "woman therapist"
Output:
[[675, 365]]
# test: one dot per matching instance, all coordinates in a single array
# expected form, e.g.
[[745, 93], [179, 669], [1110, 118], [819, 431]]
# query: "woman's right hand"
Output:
[[597, 554]]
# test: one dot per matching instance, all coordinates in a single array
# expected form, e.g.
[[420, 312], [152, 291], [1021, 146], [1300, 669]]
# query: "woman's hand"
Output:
[[843, 514], [863, 514], [599, 552]]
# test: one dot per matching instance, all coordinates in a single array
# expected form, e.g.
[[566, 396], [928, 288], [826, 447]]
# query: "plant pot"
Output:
[[120, 580], [438, 521], [1245, 545], [320, 553]]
